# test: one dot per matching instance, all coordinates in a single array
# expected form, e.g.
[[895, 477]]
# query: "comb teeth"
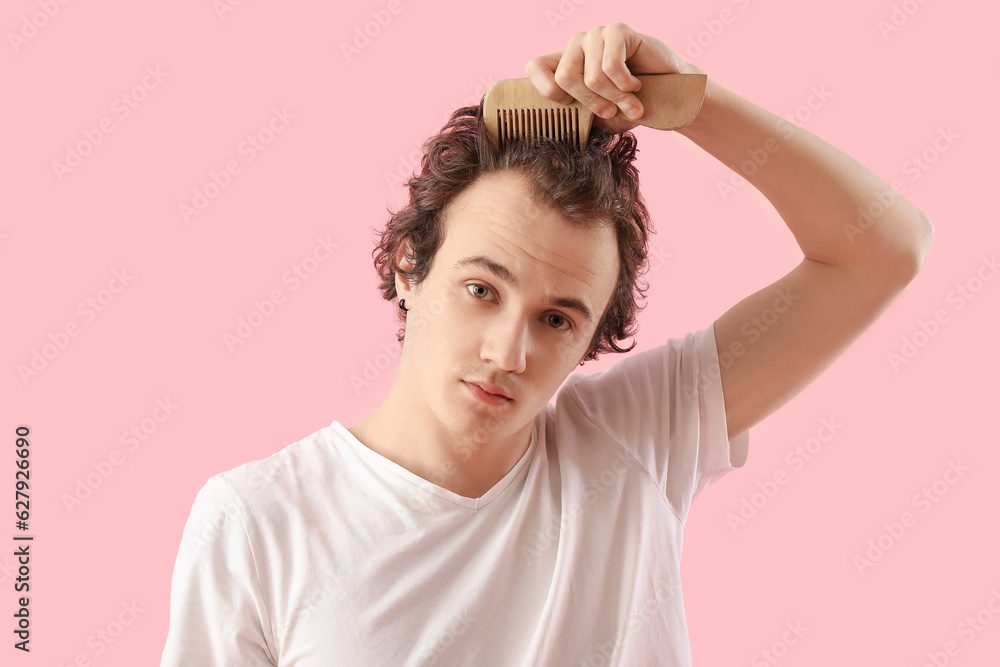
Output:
[[537, 124], [514, 107]]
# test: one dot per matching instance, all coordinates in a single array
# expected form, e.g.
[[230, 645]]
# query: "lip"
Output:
[[483, 393], [491, 388]]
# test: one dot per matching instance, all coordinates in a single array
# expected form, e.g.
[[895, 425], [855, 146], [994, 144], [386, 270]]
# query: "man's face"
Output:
[[467, 324]]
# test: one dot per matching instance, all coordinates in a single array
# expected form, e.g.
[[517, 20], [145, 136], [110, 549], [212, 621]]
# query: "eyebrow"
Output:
[[506, 275]]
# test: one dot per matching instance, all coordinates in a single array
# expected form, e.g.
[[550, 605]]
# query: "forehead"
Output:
[[496, 217]]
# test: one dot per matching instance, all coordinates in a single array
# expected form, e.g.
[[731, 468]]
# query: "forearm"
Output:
[[839, 211]]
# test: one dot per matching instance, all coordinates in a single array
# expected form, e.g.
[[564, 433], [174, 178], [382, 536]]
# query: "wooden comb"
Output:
[[514, 107]]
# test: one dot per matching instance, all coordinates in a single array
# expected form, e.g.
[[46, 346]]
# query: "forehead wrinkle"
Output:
[[487, 205], [530, 241]]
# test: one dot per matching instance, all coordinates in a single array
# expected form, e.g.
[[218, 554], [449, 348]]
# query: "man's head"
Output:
[[593, 188], [516, 265]]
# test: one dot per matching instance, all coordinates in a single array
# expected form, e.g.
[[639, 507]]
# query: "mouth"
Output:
[[483, 393]]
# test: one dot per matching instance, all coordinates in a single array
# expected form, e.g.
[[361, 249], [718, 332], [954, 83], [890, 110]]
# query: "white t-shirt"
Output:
[[327, 553]]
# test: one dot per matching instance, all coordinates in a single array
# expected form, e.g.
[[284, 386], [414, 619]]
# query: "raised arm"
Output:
[[862, 242]]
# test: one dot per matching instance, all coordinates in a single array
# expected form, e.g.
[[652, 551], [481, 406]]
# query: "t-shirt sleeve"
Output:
[[217, 613], [665, 406]]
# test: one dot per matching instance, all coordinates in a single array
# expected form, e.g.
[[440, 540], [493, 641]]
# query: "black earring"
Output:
[[401, 302]]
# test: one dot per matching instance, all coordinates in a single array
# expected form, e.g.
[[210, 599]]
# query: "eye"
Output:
[[478, 291], [562, 319], [478, 286]]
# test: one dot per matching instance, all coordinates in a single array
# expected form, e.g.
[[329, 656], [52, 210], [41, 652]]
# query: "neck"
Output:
[[407, 431]]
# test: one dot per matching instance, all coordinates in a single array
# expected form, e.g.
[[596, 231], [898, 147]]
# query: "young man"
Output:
[[468, 520]]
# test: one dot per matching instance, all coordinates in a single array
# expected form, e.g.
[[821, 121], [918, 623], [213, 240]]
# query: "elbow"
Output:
[[925, 239], [921, 238]]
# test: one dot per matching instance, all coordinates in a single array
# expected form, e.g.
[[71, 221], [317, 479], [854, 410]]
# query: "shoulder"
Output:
[[283, 476], [676, 367]]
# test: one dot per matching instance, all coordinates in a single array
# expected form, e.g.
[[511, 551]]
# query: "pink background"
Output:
[[328, 174]]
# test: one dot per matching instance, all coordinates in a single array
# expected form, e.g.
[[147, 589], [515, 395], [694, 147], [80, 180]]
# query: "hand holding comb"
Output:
[[514, 107]]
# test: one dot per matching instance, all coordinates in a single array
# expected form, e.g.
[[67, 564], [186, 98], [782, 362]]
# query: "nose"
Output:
[[505, 344]]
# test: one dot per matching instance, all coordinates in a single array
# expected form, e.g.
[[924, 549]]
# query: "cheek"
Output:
[[452, 333], [434, 314]]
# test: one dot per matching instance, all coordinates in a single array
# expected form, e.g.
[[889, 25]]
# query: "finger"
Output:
[[541, 73], [593, 74], [570, 74], [605, 57], [614, 125], [620, 45]]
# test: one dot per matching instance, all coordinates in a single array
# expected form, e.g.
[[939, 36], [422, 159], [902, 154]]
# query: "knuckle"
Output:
[[593, 79], [550, 90], [562, 77]]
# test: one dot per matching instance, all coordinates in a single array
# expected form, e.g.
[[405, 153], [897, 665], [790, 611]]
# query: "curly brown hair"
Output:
[[595, 186]]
